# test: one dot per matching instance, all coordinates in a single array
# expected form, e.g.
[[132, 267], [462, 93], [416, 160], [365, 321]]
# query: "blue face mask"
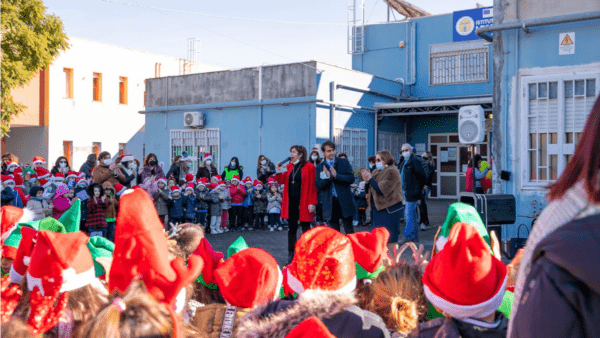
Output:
[[379, 165]]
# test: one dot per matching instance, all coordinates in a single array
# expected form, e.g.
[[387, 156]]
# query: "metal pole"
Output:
[[375, 146], [332, 88], [260, 122]]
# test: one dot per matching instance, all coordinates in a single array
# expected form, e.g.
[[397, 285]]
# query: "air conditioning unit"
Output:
[[193, 119], [471, 125]]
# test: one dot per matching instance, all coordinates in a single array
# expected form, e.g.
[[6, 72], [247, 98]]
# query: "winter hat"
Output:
[[247, 179], [311, 327], [23, 257], [80, 174], [460, 212], [323, 260], [202, 181], [71, 219], [221, 184], [11, 216], [18, 181], [126, 158], [175, 189], [51, 224], [249, 278], [141, 251], [257, 183], [216, 177], [238, 245], [212, 259], [370, 248], [42, 173], [66, 253], [18, 172], [44, 183], [100, 247], [189, 178], [61, 190], [465, 280], [119, 189], [185, 157], [38, 160], [271, 180], [58, 177], [11, 164], [235, 178], [34, 190], [189, 186], [207, 157], [161, 179], [80, 180], [7, 179], [71, 174]]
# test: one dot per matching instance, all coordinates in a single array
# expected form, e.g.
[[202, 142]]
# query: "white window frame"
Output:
[[357, 160], [200, 140], [561, 148], [453, 68]]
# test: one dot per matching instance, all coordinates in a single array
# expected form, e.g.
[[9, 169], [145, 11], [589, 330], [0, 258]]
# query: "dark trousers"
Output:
[[423, 217], [274, 219], [362, 216], [293, 223], [201, 218], [319, 213], [249, 215], [336, 216], [110, 231], [259, 220], [236, 217]]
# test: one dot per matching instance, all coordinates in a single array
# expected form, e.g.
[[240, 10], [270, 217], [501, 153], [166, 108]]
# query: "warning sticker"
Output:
[[566, 43]]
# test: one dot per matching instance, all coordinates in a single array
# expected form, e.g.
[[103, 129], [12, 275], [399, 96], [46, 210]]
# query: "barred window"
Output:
[[459, 63], [556, 110], [352, 142], [196, 143]]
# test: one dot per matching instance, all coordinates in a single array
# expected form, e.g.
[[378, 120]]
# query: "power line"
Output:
[[226, 17]]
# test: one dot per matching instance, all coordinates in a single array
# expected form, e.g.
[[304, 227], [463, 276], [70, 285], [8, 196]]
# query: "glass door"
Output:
[[448, 171]]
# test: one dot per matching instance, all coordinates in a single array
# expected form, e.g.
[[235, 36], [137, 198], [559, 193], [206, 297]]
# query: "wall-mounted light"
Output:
[[401, 44]]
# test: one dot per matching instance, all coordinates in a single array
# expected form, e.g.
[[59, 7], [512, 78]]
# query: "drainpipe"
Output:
[[376, 132], [413, 33], [524, 25], [260, 118], [332, 88]]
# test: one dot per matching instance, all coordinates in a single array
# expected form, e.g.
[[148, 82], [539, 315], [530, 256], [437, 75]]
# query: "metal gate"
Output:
[[353, 142], [196, 143], [391, 142]]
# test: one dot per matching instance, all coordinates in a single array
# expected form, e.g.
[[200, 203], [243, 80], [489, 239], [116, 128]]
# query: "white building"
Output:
[[88, 101]]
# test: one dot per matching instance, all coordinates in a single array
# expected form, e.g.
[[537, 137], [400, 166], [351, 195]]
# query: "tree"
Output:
[[31, 38]]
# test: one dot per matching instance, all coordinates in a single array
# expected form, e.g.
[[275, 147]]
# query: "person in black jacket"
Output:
[[87, 166], [128, 167], [264, 169], [413, 179], [207, 168], [427, 161]]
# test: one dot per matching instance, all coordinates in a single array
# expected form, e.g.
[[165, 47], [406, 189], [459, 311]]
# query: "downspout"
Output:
[[411, 56], [332, 88], [260, 117], [497, 99], [376, 130]]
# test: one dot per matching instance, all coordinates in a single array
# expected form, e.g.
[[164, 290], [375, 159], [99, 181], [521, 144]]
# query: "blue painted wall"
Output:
[[526, 53], [419, 127], [384, 57]]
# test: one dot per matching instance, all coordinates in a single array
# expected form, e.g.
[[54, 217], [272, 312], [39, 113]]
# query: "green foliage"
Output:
[[31, 38]]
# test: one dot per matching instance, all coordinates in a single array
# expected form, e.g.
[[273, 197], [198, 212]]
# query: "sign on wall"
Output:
[[566, 43], [466, 22]]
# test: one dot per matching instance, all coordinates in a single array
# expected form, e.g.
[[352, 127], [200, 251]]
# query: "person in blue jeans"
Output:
[[413, 179]]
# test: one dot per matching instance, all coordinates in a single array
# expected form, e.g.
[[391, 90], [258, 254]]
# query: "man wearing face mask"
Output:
[[413, 180], [128, 168], [207, 168], [264, 169], [232, 169], [107, 170]]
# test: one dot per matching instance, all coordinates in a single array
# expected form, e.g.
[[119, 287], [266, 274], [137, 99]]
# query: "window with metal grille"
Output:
[[353, 142], [196, 143], [556, 109], [464, 62], [391, 142]]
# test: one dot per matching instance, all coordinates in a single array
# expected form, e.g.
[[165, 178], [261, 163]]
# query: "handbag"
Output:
[[518, 242], [395, 208]]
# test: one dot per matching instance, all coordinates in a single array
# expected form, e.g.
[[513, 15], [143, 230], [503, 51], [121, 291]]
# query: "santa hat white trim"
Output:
[[465, 311], [161, 180], [71, 280], [47, 184], [15, 277], [127, 158], [440, 243], [12, 164], [296, 285], [38, 162], [235, 179], [58, 179], [10, 180], [207, 157], [190, 188], [279, 284]]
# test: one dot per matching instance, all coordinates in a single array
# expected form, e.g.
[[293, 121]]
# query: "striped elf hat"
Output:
[[370, 248], [460, 213]]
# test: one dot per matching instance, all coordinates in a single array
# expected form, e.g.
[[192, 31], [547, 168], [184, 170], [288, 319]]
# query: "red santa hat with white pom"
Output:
[[38, 160]]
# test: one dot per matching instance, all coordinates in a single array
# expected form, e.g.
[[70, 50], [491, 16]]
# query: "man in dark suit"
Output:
[[334, 177]]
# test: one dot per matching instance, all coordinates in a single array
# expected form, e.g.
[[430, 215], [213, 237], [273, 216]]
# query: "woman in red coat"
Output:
[[299, 194]]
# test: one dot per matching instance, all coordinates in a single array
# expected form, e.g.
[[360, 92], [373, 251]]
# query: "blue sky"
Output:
[[230, 43]]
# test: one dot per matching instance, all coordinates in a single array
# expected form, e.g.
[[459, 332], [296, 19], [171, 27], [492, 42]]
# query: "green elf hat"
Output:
[[71, 219], [370, 248], [100, 247], [11, 244], [460, 213], [238, 245], [51, 224]]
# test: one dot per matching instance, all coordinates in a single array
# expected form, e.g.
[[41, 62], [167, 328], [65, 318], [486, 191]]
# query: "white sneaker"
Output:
[[271, 228], [354, 223], [423, 227], [280, 228]]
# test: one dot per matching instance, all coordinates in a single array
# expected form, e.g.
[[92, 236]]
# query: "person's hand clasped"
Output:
[[366, 176], [327, 173]]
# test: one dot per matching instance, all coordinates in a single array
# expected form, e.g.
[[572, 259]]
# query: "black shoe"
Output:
[[405, 240]]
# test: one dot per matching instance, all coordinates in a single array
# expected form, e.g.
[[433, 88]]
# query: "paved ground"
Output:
[[276, 242]]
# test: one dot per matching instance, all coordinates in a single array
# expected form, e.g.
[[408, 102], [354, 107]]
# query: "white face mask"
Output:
[[233, 164], [406, 154], [131, 165], [12, 186], [208, 162], [314, 157], [12, 169], [62, 165], [263, 162], [379, 165], [108, 161], [371, 165]]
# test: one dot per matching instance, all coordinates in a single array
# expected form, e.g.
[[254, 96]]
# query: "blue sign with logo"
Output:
[[466, 22]]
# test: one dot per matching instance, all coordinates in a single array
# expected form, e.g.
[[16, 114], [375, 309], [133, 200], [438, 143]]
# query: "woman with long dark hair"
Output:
[[299, 194], [264, 169], [151, 168], [61, 166], [207, 168]]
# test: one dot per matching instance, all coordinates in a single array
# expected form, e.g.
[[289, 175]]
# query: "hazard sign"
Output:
[[566, 43]]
